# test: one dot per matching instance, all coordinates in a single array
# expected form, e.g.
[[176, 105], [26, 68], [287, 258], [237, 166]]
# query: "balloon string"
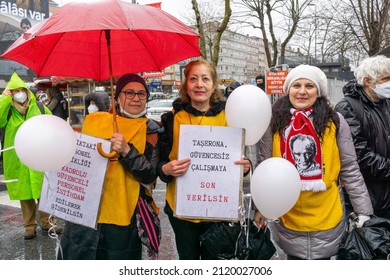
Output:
[[6, 149], [52, 233], [8, 181], [11, 180]]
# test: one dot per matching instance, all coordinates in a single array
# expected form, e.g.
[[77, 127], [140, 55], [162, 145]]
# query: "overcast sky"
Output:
[[173, 7]]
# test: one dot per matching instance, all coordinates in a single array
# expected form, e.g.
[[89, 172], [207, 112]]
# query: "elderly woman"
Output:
[[315, 226], [200, 103], [128, 179]]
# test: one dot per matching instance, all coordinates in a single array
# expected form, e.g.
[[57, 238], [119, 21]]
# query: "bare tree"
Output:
[[284, 14], [367, 21], [211, 31]]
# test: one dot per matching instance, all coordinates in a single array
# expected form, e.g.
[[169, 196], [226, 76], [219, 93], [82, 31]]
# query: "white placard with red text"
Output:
[[73, 192], [211, 188]]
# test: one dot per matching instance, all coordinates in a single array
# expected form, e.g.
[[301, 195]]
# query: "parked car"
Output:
[[157, 95], [158, 108], [152, 102]]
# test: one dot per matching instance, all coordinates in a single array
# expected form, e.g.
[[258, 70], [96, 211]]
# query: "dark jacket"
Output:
[[101, 99], [58, 106], [371, 136], [79, 242], [232, 86]]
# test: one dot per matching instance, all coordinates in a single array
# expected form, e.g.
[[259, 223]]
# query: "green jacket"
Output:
[[29, 182]]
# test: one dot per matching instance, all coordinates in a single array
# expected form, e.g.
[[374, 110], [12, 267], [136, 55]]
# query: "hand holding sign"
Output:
[[45, 143]]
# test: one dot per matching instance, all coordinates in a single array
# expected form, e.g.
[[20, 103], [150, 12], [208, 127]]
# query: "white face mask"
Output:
[[128, 115], [20, 97], [382, 90], [93, 108]]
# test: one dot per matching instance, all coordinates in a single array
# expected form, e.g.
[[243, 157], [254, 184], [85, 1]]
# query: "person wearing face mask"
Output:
[[17, 105], [57, 103], [129, 178], [98, 101], [370, 126]]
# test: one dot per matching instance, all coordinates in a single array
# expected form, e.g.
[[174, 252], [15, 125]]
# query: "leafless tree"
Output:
[[211, 31], [367, 21], [271, 14]]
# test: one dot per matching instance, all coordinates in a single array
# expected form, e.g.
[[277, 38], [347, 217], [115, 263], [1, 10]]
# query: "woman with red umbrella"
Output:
[[129, 178]]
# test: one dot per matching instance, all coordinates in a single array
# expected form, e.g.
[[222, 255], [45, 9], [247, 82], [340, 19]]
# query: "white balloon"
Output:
[[275, 187], [248, 107], [45, 143]]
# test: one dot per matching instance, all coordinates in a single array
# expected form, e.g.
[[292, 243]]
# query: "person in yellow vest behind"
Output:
[[315, 226], [201, 103], [129, 179]]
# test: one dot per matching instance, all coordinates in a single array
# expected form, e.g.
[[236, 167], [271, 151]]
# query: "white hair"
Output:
[[372, 67]]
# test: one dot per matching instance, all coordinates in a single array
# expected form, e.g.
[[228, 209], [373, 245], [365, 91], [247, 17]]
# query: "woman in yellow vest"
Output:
[[306, 131], [128, 179], [201, 103]]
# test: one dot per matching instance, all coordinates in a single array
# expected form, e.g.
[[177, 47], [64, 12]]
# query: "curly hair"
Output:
[[215, 96], [322, 114]]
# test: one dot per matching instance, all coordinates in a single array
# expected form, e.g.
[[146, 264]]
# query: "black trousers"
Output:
[[119, 242], [187, 236]]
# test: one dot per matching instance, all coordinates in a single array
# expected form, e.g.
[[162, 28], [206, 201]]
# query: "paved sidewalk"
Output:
[[43, 247]]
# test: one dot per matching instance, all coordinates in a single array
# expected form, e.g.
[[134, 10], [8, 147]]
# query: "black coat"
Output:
[[371, 136]]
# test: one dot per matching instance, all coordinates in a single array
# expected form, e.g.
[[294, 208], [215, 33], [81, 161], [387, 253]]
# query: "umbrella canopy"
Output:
[[73, 41], [104, 39]]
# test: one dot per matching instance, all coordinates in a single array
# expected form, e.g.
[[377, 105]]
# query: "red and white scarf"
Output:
[[301, 146]]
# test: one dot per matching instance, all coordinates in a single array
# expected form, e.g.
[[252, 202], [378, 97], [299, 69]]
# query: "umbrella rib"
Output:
[[155, 63], [46, 58], [189, 43]]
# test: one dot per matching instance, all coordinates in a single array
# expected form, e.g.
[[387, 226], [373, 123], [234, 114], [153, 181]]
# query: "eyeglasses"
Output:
[[142, 94]]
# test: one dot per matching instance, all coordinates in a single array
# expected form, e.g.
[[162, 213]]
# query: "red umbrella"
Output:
[[104, 39], [73, 41]]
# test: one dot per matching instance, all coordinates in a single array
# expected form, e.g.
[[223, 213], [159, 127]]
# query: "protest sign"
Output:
[[73, 192], [274, 81], [211, 187]]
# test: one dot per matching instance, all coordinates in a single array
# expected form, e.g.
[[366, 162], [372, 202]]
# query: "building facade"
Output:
[[241, 58]]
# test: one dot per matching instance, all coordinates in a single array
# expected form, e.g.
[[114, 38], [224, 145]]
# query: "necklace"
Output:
[[201, 119]]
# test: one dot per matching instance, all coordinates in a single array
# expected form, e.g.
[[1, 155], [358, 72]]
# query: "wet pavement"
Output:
[[43, 247]]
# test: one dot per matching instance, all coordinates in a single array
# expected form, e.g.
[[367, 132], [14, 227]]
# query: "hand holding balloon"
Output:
[[275, 187], [45, 143]]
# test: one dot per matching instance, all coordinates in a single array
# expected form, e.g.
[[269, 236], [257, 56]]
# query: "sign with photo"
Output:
[[211, 188], [73, 192]]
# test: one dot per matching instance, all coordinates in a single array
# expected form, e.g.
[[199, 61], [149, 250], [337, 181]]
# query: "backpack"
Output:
[[356, 106]]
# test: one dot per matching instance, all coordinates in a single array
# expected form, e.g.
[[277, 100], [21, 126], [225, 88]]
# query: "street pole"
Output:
[[315, 33], [315, 30]]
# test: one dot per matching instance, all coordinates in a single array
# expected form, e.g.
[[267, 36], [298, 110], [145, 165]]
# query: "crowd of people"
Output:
[[341, 153]]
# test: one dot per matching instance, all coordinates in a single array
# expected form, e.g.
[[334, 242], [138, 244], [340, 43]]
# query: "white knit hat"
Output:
[[312, 73]]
